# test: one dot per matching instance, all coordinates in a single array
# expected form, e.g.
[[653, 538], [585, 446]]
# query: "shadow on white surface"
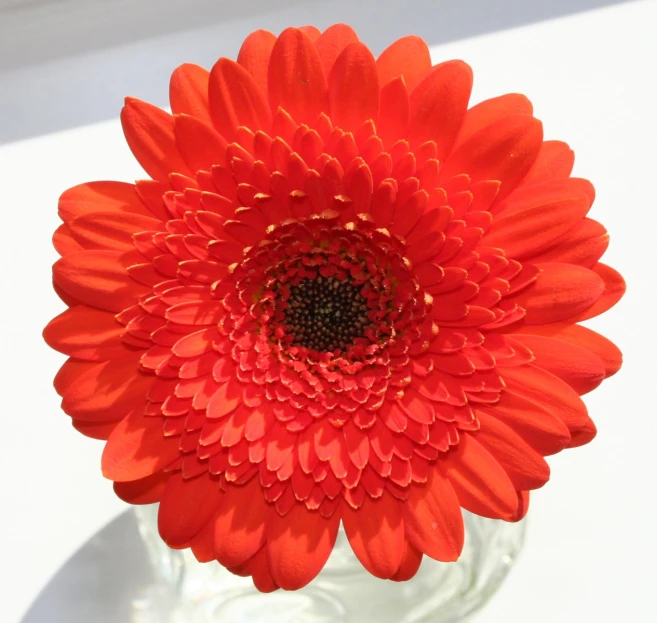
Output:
[[101, 583], [62, 92]]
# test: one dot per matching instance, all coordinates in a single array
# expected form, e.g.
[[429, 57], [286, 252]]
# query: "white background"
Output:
[[592, 544]]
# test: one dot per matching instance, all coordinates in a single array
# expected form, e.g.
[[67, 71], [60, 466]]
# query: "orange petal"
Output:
[[138, 448], [99, 279], [614, 288], [188, 92], [560, 292], [85, 333], [491, 110], [408, 57], [186, 507], [555, 161], [143, 491], [376, 534], [254, 55], [433, 520], [107, 391], [299, 545], [296, 77], [503, 151], [200, 145], [150, 136], [543, 431], [112, 231], [331, 43], [394, 107], [579, 367], [523, 234], [239, 529], [525, 467], [236, 100], [438, 106], [480, 482], [100, 197], [354, 88]]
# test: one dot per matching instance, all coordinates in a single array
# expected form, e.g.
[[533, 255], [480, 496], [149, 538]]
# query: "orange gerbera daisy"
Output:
[[343, 297]]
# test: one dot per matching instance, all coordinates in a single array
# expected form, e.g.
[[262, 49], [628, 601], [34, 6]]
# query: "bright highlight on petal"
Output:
[[344, 298]]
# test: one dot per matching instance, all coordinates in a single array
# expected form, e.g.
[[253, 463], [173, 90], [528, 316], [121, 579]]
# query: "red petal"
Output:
[[354, 88], [394, 110], [582, 338], [523, 506], [438, 106], [408, 57], [503, 151], [544, 432], [299, 545], [188, 91], [331, 43], [296, 77], [524, 234], [138, 448], [579, 367], [100, 197], [236, 100], [560, 292], [410, 564], [376, 534], [491, 110], [85, 333], [107, 391], [200, 145], [95, 430], [433, 520], [614, 288], [186, 508], [555, 161], [553, 395], [98, 278], [259, 568], [226, 399], [254, 55], [479, 481], [584, 244], [70, 371], [143, 491], [150, 136], [202, 545], [64, 242], [239, 529], [526, 468], [112, 231]]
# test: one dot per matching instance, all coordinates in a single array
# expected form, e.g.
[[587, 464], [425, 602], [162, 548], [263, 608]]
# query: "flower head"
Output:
[[344, 296]]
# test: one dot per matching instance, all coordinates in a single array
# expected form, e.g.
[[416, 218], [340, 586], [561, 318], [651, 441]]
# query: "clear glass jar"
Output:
[[187, 591]]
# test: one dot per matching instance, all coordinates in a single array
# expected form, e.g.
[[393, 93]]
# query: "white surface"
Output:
[[592, 542]]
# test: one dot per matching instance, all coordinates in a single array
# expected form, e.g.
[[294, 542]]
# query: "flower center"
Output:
[[326, 314]]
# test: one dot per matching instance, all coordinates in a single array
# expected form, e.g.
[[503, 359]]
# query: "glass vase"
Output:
[[191, 592]]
